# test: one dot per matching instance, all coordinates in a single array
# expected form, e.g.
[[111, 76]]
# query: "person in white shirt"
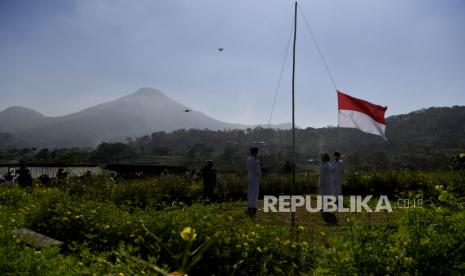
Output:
[[253, 180], [327, 186], [338, 170], [326, 175]]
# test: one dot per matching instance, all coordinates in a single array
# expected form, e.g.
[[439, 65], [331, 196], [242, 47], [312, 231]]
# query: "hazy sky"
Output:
[[61, 56]]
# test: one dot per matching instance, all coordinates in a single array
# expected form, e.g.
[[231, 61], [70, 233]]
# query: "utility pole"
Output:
[[293, 115]]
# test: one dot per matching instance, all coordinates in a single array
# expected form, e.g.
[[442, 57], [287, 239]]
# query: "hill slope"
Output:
[[8, 141], [148, 110], [17, 118], [426, 138]]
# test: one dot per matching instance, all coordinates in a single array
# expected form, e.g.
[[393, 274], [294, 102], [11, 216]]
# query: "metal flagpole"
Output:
[[293, 116]]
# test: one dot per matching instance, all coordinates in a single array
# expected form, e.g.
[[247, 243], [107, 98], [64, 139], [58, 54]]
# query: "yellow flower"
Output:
[[188, 234], [408, 260]]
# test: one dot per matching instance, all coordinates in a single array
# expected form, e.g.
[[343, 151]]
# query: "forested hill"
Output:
[[8, 141], [426, 138]]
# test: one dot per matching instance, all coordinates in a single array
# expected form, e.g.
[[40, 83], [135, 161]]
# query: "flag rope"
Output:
[[280, 76], [318, 48], [320, 53]]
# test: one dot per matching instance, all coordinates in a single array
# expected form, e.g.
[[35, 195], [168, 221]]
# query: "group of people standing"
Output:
[[254, 172], [331, 174], [22, 176], [330, 180]]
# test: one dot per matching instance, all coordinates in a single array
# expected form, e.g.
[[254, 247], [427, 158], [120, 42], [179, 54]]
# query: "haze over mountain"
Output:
[[8, 141], [143, 112]]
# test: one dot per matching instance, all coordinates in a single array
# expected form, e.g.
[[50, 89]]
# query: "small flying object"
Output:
[[220, 49], [187, 110]]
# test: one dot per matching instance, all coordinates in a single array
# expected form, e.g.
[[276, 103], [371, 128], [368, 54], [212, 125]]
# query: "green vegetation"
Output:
[[425, 139], [161, 225]]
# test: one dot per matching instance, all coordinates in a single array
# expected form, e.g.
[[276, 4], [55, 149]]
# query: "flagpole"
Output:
[[293, 115]]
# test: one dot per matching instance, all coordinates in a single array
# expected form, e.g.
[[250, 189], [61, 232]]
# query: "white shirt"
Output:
[[253, 168], [338, 170], [326, 178]]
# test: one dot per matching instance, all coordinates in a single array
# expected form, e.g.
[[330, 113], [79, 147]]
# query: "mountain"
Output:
[[143, 112], [432, 130], [17, 118]]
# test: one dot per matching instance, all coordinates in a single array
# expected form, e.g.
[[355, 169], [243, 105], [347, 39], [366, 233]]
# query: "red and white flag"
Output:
[[357, 113]]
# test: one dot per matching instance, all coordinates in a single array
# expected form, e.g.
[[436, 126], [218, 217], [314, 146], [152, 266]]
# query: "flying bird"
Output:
[[187, 110], [220, 49]]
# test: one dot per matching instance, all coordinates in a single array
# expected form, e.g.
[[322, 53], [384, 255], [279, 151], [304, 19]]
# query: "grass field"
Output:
[[160, 226]]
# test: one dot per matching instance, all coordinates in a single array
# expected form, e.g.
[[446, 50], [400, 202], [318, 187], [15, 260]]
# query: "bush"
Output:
[[136, 227]]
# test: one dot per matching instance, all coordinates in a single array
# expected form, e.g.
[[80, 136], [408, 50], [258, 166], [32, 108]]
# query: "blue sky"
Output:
[[61, 56]]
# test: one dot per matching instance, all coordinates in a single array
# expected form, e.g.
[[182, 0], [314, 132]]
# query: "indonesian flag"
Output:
[[357, 113]]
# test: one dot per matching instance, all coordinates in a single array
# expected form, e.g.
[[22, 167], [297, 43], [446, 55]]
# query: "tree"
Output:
[[43, 156], [200, 151], [113, 153]]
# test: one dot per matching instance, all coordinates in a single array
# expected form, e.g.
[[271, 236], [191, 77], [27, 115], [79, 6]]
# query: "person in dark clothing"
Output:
[[45, 180], [87, 175], [62, 176], [24, 178], [209, 180], [86, 178], [287, 168]]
